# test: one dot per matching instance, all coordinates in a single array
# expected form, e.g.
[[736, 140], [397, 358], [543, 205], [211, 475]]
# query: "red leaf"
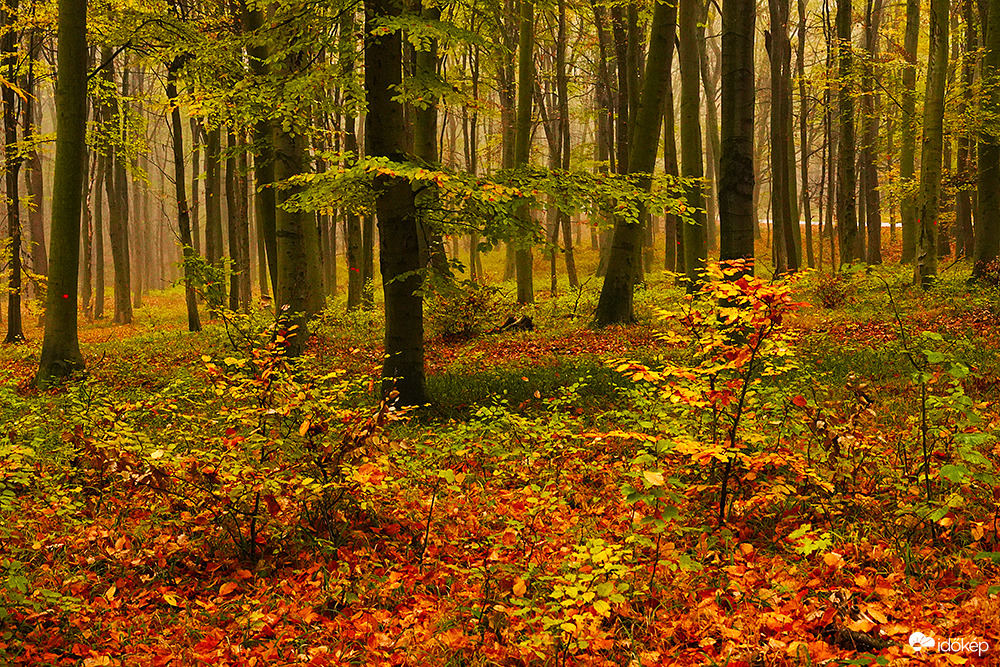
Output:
[[799, 401]]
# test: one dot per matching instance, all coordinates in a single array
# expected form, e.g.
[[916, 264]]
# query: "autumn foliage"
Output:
[[726, 501]]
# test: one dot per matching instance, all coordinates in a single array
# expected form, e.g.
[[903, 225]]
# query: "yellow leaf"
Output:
[[171, 599], [304, 428], [110, 595], [977, 532], [520, 588], [653, 478], [228, 587], [206, 358], [602, 607]]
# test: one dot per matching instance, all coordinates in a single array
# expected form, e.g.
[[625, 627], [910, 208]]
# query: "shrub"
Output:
[[835, 289], [460, 309]]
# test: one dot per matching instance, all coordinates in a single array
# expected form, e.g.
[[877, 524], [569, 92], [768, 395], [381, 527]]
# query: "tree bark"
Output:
[[60, 355], [12, 160], [695, 238], [615, 304], [987, 234], [736, 172], [869, 149], [931, 154], [522, 143], [116, 187], [847, 215], [908, 130], [403, 368], [264, 198]]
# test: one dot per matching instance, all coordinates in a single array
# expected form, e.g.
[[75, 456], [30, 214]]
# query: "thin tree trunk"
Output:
[[908, 123], [522, 141], [183, 216], [13, 160], [695, 239]]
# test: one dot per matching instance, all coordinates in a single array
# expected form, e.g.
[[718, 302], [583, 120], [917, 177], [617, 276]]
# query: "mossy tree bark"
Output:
[[60, 354]]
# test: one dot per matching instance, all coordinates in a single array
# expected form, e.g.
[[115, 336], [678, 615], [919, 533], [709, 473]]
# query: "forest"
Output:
[[500, 332]]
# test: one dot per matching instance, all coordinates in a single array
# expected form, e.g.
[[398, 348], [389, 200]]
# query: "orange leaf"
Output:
[[520, 588], [228, 587]]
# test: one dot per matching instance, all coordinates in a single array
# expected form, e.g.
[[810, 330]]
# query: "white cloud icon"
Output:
[[919, 641]]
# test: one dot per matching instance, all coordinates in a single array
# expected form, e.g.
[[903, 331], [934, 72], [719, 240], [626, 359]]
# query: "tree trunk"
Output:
[[615, 304], [403, 368], [736, 172], [60, 354], [846, 174], [908, 128], [869, 154], [783, 199], [522, 143], [33, 167], [116, 186], [216, 293], [183, 216], [13, 160], [197, 132], [264, 198], [695, 239], [710, 82], [987, 234], [931, 154], [673, 257], [804, 144]]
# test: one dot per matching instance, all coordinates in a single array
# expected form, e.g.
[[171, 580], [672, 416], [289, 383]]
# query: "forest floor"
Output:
[[196, 500]]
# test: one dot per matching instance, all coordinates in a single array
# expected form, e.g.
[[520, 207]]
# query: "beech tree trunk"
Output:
[[60, 355], [522, 143], [263, 163], [931, 154], [847, 215], [183, 216], [12, 164], [403, 368], [736, 173], [695, 238], [615, 305], [987, 241], [908, 130]]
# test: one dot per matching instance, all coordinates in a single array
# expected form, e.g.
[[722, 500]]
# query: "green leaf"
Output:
[[954, 473]]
